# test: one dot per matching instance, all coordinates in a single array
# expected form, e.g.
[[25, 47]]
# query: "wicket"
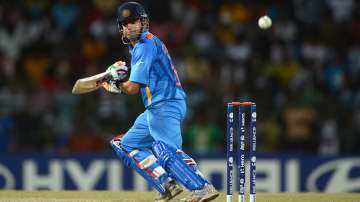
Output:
[[241, 151]]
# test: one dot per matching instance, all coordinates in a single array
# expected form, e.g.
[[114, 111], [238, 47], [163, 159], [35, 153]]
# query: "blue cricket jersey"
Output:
[[152, 67]]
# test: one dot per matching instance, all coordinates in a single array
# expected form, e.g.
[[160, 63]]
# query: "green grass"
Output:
[[121, 196]]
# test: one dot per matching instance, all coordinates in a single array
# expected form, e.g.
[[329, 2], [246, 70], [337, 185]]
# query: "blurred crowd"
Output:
[[303, 73]]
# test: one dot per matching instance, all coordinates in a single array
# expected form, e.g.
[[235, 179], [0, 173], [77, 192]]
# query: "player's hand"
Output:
[[119, 71], [111, 86]]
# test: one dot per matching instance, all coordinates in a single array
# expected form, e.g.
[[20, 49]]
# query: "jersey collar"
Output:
[[142, 37]]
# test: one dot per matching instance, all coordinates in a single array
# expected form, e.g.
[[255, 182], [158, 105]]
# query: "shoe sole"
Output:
[[209, 197]]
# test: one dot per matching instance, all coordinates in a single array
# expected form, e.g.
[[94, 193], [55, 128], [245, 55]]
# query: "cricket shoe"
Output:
[[172, 189], [207, 193]]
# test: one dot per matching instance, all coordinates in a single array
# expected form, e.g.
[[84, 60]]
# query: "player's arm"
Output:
[[142, 59], [129, 87]]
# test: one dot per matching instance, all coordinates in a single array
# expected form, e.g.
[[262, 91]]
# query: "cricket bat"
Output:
[[89, 84]]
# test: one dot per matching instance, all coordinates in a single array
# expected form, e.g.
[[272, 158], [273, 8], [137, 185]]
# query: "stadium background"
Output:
[[303, 74]]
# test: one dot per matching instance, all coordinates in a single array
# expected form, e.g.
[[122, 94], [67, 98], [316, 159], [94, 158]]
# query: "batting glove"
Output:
[[112, 86], [119, 71]]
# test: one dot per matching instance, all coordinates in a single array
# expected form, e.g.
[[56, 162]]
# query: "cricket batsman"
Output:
[[153, 145]]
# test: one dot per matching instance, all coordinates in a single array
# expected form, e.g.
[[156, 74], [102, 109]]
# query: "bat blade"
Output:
[[89, 84]]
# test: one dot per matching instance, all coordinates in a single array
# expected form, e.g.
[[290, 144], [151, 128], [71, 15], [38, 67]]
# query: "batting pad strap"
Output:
[[190, 162], [147, 162], [168, 158], [159, 171], [187, 159], [133, 153], [152, 177]]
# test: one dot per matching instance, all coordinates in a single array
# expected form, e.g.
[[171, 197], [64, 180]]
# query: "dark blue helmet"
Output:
[[130, 11]]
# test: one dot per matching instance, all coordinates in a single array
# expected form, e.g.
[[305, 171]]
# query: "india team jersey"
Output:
[[152, 67]]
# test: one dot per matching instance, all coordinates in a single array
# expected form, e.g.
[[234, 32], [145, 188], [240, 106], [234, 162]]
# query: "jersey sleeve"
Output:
[[141, 61]]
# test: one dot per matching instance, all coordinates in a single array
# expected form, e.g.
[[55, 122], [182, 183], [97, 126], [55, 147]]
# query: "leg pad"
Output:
[[172, 163], [144, 163]]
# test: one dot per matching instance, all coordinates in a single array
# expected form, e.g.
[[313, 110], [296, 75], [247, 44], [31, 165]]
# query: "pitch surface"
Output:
[[109, 196]]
